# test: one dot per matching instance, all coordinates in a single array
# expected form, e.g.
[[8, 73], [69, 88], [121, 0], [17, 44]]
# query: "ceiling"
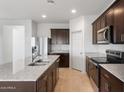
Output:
[[58, 12]]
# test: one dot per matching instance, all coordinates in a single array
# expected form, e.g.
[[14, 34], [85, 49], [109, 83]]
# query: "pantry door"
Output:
[[76, 49]]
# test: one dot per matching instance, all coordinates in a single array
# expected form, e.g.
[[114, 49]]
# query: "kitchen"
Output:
[[43, 49]]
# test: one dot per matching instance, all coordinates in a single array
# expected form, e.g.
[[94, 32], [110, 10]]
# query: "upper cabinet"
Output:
[[113, 16], [110, 17], [119, 22], [102, 21], [60, 36]]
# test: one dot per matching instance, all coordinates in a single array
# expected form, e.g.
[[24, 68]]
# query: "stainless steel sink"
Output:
[[38, 64]]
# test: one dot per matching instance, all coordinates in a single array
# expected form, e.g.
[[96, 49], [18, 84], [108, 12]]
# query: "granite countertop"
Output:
[[94, 54], [29, 73], [116, 69]]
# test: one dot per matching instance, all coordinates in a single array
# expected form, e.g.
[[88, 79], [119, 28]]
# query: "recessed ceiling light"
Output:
[[73, 11], [44, 16]]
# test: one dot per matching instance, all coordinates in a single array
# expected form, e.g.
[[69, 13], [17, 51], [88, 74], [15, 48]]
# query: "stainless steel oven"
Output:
[[104, 36]]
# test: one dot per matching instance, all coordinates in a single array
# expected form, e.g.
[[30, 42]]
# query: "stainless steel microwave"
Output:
[[104, 36]]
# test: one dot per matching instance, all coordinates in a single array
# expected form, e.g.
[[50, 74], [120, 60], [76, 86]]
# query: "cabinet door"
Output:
[[119, 22], [53, 36], [94, 33], [109, 83], [98, 24], [57, 69], [50, 82], [66, 41], [104, 84], [103, 21], [110, 17], [59, 36], [87, 65], [42, 84], [54, 78], [93, 73], [64, 60]]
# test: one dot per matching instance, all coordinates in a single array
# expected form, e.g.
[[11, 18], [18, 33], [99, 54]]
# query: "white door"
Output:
[[76, 49]]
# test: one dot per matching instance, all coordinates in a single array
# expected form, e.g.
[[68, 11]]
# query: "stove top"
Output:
[[113, 57], [104, 60], [99, 59]]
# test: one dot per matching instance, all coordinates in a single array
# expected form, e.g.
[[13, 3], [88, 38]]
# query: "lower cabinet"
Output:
[[50, 82], [64, 59], [87, 65], [106, 81], [109, 83], [47, 82], [42, 84]]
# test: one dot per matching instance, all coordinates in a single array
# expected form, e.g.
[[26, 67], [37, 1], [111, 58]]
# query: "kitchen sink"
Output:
[[38, 64], [41, 61]]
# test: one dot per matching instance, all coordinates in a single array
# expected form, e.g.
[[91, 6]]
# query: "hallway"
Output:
[[72, 81]]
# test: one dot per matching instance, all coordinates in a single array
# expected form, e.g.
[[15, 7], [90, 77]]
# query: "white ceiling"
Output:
[[59, 12]]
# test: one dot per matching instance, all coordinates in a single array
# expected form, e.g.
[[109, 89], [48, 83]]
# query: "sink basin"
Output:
[[38, 64], [41, 61]]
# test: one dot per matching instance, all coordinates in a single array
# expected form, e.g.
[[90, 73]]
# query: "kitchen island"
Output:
[[31, 78]]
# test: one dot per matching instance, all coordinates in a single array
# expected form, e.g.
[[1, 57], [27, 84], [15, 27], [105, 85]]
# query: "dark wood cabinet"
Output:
[[50, 81], [42, 84], [87, 65], [109, 83], [102, 21], [110, 17], [98, 24], [66, 41], [119, 22], [113, 16], [94, 33], [60, 36], [64, 60]]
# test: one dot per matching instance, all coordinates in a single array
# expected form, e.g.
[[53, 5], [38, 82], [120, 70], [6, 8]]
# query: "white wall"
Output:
[[7, 44], [88, 46], [28, 34], [34, 29], [44, 28], [1, 56], [18, 48]]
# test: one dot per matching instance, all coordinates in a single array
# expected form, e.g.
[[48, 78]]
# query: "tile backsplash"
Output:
[[60, 47]]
